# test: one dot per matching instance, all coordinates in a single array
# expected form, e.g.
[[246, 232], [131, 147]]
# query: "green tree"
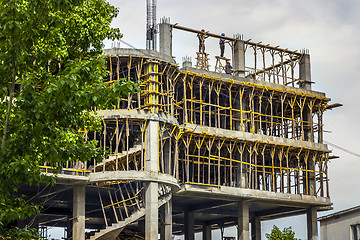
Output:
[[51, 74], [277, 234]]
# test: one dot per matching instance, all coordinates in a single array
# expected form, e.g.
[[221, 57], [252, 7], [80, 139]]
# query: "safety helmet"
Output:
[[223, 34]]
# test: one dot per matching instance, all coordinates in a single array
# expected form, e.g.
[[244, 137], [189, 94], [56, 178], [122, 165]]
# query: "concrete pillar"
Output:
[[206, 232], [255, 228], [79, 212], [238, 58], [165, 37], [166, 225], [243, 220], [151, 190], [189, 225], [305, 72], [312, 227]]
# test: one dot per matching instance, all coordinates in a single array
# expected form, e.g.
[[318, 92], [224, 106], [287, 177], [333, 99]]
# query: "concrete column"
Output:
[[166, 225], [305, 72], [243, 220], [238, 58], [165, 37], [151, 190], [312, 227], [189, 225], [79, 212], [206, 232], [255, 228]]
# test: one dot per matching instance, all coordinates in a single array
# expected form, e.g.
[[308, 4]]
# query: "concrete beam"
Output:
[[233, 193], [136, 176], [251, 137]]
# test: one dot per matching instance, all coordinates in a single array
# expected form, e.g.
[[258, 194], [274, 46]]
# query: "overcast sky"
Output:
[[330, 29]]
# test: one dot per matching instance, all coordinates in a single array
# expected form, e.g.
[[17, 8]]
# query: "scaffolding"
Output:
[[196, 100]]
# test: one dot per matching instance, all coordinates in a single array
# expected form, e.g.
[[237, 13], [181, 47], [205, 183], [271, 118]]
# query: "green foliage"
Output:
[[277, 234], [51, 48]]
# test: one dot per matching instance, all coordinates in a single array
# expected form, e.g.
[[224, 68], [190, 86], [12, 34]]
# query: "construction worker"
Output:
[[228, 68], [202, 36], [222, 45]]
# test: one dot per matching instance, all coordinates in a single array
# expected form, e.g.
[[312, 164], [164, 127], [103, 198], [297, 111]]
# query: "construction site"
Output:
[[198, 148]]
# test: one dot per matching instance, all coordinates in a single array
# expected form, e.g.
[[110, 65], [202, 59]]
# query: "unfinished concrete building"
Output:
[[198, 149]]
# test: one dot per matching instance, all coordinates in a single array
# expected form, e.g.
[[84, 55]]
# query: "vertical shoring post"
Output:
[[263, 168], [321, 176], [311, 122], [250, 151], [192, 99], [94, 158], [241, 151], [327, 177], [283, 97], [176, 164], [201, 101], [271, 113], [272, 155], [208, 146], [307, 172], [260, 111], [117, 144], [251, 104], [241, 92], [255, 60], [219, 162], [198, 144], [167, 78], [292, 65], [263, 51], [282, 67], [142, 128], [186, 120], [256, 178], [288, 172], [230, 148], [210, 89], [230, 106], [170, 157], [302, 105], [139, 70], [187, 158], [218, 119], [104, 146], [292, 105], [127, 144], [272, 64], [128, 78], [298, 171], [161, 149], [280, 155]]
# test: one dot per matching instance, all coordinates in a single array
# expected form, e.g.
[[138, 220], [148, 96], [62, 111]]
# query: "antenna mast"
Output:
[[151, 24]]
